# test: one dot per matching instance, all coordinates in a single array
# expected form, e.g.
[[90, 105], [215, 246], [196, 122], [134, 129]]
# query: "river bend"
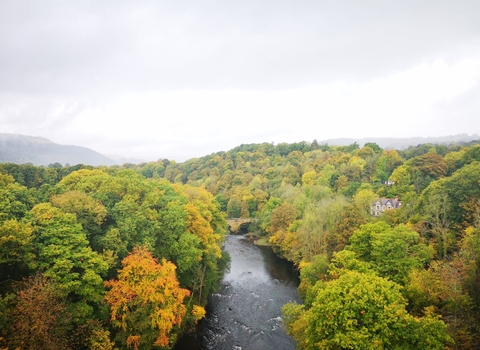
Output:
[[246, 313]]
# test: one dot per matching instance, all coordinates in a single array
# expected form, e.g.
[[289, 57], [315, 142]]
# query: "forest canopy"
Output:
[[98, 242], [90, 243]]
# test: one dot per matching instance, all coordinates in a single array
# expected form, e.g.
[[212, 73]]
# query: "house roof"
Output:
[[394, 202]]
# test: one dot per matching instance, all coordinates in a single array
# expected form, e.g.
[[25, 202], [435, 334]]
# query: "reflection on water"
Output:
[[246, 313]]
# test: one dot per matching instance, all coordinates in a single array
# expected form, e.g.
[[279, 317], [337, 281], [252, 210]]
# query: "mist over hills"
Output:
[[21, 149], [120, 160], [402, 143]]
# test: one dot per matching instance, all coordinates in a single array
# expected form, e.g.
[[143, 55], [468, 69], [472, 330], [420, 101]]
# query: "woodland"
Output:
[[125, 256]]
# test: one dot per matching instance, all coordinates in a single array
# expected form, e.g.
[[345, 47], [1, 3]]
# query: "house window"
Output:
[[378, 207]]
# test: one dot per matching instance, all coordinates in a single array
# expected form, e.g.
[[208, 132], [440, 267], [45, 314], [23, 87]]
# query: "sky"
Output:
[[182, 79]]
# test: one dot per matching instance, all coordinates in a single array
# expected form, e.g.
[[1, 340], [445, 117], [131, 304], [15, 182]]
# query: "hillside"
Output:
[[21, 149]]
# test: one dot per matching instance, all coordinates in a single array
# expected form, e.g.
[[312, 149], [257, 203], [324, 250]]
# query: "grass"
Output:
[[262, 241]]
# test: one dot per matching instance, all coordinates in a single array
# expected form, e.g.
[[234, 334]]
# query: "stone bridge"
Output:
[[238, 226]]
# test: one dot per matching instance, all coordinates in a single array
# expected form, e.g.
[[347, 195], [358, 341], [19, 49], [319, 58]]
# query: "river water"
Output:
[[246, 313]]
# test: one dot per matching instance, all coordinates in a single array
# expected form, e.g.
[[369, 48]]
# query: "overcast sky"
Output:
[[182, 79]]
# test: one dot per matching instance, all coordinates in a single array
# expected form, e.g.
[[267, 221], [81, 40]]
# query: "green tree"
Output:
[[234, 208], [461, 188], [311, 272], [364, 311], [317, 232], [15, 200], [16, 249], [401, 179], [363, 199], [63, 254], [426, 168], [265, 215], [392, 252], [90, 213], [373, 146]]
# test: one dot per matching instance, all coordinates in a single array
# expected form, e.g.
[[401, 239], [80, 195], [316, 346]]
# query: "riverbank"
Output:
[[261, 241]]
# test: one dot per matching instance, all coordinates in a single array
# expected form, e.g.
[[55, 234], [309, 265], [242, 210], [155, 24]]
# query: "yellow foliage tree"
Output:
[[146, 300], [198, 312], [309, 178]]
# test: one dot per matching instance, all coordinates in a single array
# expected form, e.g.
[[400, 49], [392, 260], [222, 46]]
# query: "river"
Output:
[[246, 313]]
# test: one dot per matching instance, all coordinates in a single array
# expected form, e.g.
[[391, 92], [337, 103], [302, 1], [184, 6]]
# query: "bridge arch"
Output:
[[239, 226]]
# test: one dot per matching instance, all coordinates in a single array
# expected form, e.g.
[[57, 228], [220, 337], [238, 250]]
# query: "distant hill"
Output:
[[21, 149], [402, 143], [120, 160]]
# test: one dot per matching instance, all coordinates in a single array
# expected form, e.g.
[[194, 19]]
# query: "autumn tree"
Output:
[[317, 232], [146, 301], [291, 175], [350, 219], [265, 215], [442, 286], [426, 168], [282, 217], [207, 223], [40, 319], [355, 168], [470, 255]]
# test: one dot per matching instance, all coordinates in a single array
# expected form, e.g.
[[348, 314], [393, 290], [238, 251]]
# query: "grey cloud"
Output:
[[38, 116], [93, 47]]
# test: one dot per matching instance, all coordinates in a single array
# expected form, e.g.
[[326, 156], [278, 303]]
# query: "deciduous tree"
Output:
[[146, 300], [392, 252], [63, 254], [40, 318], [364, 311]]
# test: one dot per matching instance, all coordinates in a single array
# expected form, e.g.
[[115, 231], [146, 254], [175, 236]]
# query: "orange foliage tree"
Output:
[[146, 300], [39, 319]]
